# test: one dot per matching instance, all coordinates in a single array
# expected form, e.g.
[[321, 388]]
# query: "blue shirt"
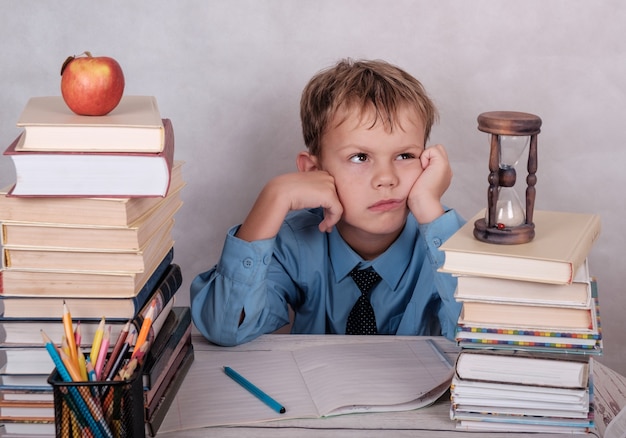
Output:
[[308, 270]]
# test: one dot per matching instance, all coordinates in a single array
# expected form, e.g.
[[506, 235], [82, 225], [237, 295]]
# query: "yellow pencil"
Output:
[[69, 333], [64, 345], [82, 363], [97, 340]]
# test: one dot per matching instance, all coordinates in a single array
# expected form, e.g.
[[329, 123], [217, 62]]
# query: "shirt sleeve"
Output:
[[435, 234], [237, 283]]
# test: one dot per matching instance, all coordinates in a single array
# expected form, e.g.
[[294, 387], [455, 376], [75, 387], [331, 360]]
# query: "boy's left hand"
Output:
[[425, 197]]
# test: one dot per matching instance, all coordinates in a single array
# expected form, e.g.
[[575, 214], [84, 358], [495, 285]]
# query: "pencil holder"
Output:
[[109, 409]]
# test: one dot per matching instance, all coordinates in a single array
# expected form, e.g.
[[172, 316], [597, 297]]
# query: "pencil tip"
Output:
[[45, 337]]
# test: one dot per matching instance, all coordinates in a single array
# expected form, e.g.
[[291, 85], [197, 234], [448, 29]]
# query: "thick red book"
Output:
[[93, 174]]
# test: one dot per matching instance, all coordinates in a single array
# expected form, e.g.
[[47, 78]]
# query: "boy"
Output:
[[367, 197]]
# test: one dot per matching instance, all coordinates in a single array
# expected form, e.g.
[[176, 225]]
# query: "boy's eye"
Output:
[[358, 158], [405, 156]]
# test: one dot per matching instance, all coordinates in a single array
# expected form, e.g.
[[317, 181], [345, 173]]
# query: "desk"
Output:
[[433, 421]]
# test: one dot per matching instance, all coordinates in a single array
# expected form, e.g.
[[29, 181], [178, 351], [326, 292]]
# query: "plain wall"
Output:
[[229, 76]]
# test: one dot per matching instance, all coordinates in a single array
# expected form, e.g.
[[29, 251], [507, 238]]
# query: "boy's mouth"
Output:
[[387, 205]]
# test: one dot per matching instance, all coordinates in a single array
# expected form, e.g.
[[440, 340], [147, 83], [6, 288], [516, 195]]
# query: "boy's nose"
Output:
[[385, 176]]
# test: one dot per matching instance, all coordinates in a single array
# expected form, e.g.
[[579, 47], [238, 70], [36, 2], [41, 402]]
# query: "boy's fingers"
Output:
[[332, 215], [432, 152]]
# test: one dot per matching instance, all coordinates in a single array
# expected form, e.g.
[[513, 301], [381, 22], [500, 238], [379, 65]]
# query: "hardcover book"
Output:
[[501, 290], [25, 332], [25, 382], [87, 307], [152, 394], [157, 414], [31, 427], [83, 237], [524, 368], [531, 317], [511, 337], [31, 284], [488, 406], [27, 395], [113, 212], [163, 347], [29, 367], [152, 397], [561, 245], [87, 260], [518, 399], [95, 174], [26, 409], [135, 125]]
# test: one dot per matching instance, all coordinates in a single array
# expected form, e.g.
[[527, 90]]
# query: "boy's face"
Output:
[[374, 170]]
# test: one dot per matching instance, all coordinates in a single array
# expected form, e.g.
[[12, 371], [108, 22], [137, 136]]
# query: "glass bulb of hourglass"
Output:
[[509, 210], [511, 149]]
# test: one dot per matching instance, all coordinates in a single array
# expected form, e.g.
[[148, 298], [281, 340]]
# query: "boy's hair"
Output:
[[362, 85]]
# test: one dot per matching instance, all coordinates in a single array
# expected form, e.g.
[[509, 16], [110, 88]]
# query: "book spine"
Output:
[[162, 295], [153, 283], [530, 332], [168, 152], [154, 422], [167, 326], [156, 361], [554, 346], [584, 246], [153, 395]]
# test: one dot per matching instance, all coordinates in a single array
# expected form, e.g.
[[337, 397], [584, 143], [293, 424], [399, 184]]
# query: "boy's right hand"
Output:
[[287, 192]]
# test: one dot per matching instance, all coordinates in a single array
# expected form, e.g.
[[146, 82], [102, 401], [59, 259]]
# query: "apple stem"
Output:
[[71, 58]]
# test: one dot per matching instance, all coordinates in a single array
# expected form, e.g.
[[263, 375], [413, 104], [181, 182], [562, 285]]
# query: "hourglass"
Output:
[[507, 220]]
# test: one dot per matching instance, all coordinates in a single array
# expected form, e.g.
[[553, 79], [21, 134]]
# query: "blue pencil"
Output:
[[97, 426], [254, 390]]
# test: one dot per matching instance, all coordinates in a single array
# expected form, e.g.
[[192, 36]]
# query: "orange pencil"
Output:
[[140, 353], [72, 368], [69, 333], [145, 329]]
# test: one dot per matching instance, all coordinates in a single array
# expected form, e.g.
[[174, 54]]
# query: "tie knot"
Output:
[[365, 279]]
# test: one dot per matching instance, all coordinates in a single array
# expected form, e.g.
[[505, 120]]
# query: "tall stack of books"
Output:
[[88, 225], [528, 329]]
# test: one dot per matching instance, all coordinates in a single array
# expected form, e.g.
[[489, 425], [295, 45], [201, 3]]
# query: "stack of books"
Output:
[[88, 225], [528, 329]]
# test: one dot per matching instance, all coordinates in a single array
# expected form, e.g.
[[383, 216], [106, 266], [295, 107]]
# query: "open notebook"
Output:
[[310, 382]]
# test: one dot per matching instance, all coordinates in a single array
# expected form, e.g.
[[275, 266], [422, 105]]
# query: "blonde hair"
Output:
[[362, 85]]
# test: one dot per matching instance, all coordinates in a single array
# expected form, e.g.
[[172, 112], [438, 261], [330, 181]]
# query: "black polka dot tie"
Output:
[[362, 320]]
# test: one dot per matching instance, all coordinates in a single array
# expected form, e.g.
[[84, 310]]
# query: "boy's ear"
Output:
[[307, 162]]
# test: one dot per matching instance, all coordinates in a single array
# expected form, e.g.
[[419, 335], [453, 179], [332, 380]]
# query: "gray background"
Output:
[[229, 76]]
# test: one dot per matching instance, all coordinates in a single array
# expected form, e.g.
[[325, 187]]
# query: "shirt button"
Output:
[[437, 242], [247, 263], [267, 259]]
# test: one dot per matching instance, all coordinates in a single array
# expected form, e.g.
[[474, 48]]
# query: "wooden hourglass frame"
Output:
[[508, 123]]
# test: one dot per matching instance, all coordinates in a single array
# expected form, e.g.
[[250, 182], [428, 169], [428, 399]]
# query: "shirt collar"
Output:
[[390, 265]]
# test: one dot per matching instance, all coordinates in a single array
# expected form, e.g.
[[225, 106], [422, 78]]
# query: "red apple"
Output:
[[91, 85]]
